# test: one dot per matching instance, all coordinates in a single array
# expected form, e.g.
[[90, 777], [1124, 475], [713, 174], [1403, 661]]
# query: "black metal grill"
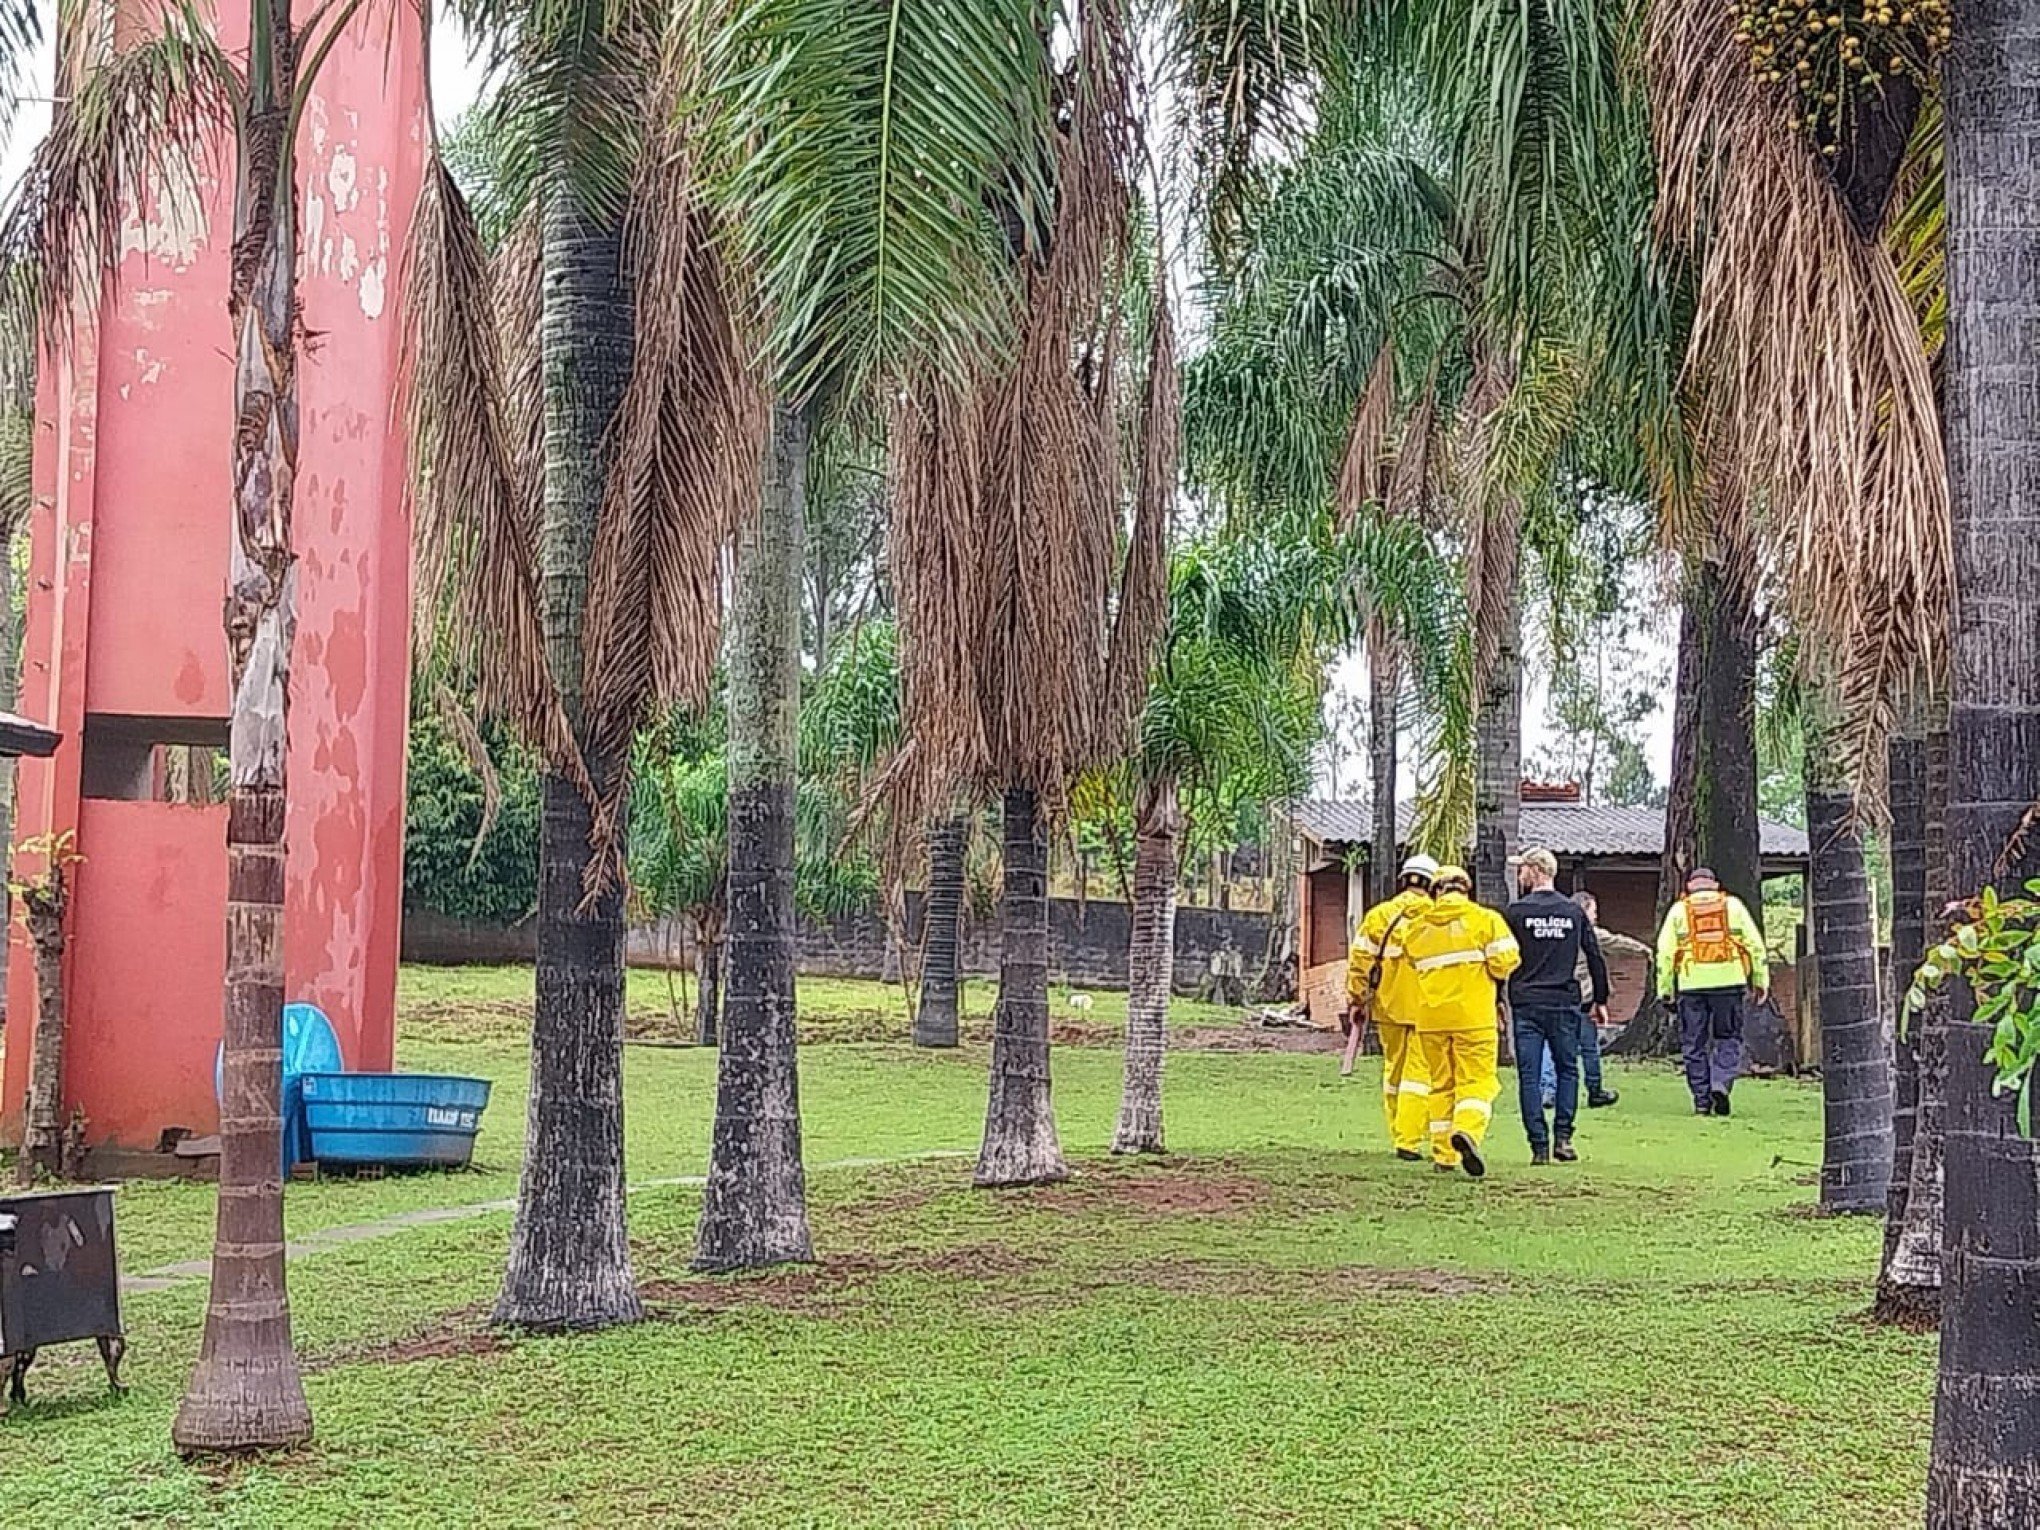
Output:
[[59, 1281]]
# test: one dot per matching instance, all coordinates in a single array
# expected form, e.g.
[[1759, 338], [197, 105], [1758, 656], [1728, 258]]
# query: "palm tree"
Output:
[[1906, 789], [1855, 1079], [679, 848], [130, 129], [1830, 420], [1819, 408], [1232, 708], [936, 1012], [1910, 1282], [862, 143], [1027, 635], [754, 1212], [580, 456], [1981, 1470]]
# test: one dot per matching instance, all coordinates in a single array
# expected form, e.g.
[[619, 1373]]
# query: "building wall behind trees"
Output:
[[1087, 942]]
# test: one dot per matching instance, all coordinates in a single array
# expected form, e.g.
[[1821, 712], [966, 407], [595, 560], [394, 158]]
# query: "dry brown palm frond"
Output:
[[474, 528], [689, 435], [517, 287], [140, 127], [1807, 357], [1046, 640], [1411, 485], [937, 474], [1365, 469], [1143, 605], [460, 722]]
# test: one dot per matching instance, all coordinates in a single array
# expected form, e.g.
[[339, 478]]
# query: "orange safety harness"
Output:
[[1709, 937]]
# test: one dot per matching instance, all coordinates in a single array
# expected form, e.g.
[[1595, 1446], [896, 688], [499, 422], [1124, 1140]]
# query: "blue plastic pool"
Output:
[[393, 1120], [309, 1046]]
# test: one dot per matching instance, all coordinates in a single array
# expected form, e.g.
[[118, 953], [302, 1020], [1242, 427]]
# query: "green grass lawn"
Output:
[[1281, 1325]]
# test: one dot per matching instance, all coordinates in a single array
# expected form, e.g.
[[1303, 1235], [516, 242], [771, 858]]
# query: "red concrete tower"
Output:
[[124, 648]]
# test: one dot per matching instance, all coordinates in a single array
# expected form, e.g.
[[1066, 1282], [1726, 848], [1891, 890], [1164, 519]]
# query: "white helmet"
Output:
[[1421, 867]]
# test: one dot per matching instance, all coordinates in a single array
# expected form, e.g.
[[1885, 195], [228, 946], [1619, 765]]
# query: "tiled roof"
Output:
[[1566, 828]]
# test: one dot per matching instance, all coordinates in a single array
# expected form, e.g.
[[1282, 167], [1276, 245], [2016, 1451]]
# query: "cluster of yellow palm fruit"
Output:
[[1828, 53]]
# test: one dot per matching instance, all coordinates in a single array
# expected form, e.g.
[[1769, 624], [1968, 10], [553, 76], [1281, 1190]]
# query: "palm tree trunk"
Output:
[[570, 1264], [1711, 804], [935, 1023], [1384, 721], [1151, 966], [1020, 1144], [1855, 1079], [1986, 1428], [246, 1393], [1498, 731], [42, 916], [708, 948], [1906, 772], [754, 1210], [1915, 1264]]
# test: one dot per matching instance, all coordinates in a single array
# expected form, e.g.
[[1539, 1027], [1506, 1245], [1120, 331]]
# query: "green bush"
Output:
[[444, 870]]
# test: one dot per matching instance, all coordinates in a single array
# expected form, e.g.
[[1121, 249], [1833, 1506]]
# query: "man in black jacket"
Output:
[[1544, 1000]]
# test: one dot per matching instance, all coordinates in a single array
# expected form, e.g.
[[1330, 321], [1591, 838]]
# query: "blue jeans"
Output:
[[1590, 1059], [1552, 1034]]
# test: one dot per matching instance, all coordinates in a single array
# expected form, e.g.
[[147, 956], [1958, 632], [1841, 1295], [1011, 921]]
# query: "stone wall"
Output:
[[1087, 943]]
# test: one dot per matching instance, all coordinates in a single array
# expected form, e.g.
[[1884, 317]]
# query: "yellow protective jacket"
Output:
[[1457, 952], [1381, 934], [1684, 966]]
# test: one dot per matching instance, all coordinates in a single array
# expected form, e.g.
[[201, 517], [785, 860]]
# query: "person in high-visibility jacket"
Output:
[[1379, 982], [1458, 951], [1710, 954]]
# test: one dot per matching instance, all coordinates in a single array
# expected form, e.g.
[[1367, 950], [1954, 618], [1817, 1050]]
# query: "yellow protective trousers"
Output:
[[1463, 1087], [1405, 1086]]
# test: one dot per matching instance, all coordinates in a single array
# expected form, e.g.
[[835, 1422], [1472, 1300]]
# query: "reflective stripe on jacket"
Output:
[[1381, 933], [1457, 952], [1679, 972]]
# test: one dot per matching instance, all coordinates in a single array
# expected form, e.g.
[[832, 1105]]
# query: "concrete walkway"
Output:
[[329, 1239]]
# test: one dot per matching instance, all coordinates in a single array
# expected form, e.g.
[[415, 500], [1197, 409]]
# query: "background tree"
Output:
[[861, 144], [1027, 634], [1898, 1301], [1855, 1078], [1232, 707]]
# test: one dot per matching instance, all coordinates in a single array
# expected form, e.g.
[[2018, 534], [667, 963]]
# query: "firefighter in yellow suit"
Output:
[[1457, 952], [1380, 981]]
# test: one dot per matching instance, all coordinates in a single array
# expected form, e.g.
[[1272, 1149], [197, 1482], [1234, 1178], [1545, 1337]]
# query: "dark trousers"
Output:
[[1710, 1035], [1556, 1031], [1590, 1060], [1590, 1053]]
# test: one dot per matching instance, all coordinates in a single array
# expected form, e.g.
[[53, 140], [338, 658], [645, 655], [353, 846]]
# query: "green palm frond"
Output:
[[885, 154], [570, 96]]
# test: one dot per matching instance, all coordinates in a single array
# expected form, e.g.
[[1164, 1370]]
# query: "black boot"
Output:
[[1601, 1098], [1469, 1155], [1540, 1157], [1719, 1100], [1562, 1150]]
